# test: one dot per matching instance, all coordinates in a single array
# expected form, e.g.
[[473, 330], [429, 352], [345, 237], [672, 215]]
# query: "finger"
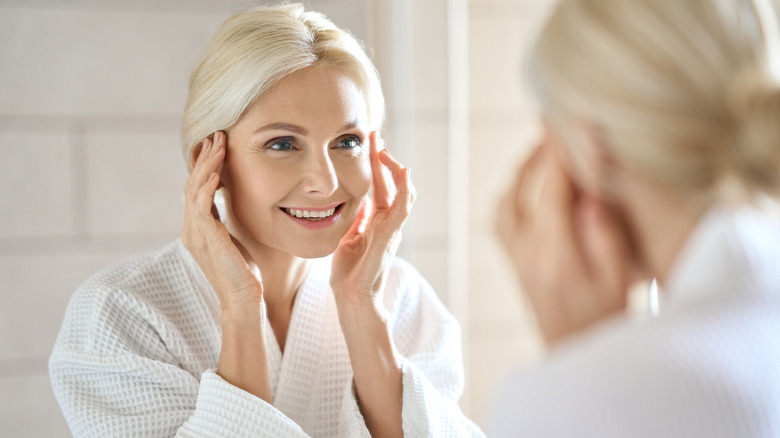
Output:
[[520, 200], [506, 220], [556, 200], [358, 225], [532, 173], [209, 161], [381, 192], [388, 161], [199, 175], [201, 151], [552, 223], [607, 251], [220, 148], [402, 204], [195, 181], [401, 176], [205, 200], [406, 191], [518, 206]]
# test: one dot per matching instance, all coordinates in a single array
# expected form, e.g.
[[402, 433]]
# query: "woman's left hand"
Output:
[[359, 270], [362, 259]]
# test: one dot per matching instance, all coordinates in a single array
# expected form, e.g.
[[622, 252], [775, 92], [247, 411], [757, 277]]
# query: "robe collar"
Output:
[[732, 251]]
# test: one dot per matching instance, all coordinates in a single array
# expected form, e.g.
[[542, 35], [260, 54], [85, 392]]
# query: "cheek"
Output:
[[355, 176], [365, 177], [253, 182]]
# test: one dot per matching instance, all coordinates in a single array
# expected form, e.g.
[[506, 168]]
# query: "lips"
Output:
[[315, 218], [313, 214], [310, 214]]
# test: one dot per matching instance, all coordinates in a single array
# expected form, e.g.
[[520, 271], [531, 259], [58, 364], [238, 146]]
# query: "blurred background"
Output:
[[91, 94]]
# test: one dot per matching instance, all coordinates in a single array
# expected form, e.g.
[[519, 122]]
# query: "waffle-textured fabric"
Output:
[[139, 345], [707, 366]]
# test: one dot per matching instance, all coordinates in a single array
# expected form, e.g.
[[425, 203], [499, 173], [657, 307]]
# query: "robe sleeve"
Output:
[[113, 377], [428, 338]]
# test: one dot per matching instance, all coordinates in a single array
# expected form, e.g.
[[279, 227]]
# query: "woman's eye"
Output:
[[281, 145], [350, 143]]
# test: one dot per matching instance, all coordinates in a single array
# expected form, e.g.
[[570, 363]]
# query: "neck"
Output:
[[661, 221], [282, 272]]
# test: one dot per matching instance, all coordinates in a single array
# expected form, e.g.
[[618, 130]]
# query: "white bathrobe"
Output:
[[707, 366], [140, 342]]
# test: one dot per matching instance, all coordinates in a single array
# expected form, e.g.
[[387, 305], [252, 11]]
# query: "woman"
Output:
[[244, 327], [662, 135]]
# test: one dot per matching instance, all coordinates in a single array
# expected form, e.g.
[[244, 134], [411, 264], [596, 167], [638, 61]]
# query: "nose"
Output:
[[319, 177]]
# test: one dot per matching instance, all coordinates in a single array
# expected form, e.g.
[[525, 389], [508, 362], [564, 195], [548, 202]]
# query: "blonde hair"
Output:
[[253, 50], [679, 90]]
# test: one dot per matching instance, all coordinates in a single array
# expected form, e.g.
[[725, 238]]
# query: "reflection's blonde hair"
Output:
[[253, 50], [679, 90]]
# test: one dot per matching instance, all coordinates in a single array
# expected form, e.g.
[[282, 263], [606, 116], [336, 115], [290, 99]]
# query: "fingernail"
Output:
[[223, 145]]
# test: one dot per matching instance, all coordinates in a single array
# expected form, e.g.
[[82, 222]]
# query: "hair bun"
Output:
[[754, 101]]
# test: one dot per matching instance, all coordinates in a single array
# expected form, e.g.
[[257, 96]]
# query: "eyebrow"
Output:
[[283, 127], [300, 129], [350, 125]]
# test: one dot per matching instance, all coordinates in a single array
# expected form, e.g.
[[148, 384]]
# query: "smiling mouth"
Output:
[[312, 215]]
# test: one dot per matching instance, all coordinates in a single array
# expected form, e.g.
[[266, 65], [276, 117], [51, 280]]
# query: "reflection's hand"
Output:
[[571, 255], [363, 256], [222, 258]]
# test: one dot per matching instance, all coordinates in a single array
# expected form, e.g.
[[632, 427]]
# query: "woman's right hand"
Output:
[[234, 277], [228, 268]]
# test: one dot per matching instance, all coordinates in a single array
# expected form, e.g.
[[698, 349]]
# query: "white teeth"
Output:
[[306, 214]]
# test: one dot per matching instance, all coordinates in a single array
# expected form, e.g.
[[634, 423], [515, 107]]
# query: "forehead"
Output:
[[319, 97]]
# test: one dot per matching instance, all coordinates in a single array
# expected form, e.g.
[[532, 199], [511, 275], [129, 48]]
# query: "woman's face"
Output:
[[297, 163]]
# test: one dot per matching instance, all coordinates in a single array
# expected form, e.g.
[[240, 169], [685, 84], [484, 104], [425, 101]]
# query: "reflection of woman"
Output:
[[662, 133], [282, 117]]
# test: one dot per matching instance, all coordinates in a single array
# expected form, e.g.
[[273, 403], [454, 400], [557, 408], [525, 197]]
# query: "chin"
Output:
[[316, 251]]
